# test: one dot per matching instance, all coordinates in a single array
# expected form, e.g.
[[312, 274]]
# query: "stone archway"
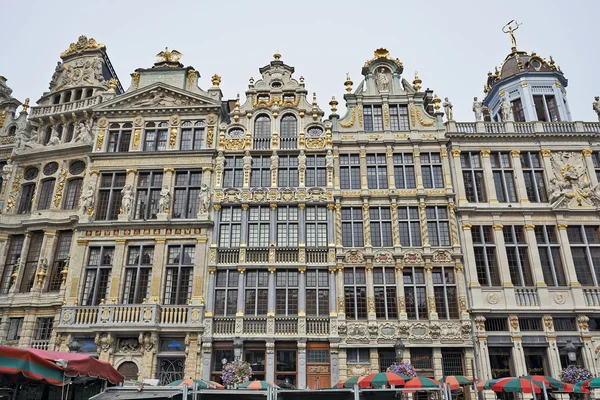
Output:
[[130, 370]]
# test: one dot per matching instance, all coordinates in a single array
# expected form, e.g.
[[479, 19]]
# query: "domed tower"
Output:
[[533, 87]]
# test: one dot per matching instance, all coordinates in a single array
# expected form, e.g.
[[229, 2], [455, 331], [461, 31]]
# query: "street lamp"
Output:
[[571, 352], [399, 349], [74, 346]]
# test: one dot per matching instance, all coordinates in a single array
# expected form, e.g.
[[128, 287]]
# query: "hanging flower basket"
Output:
[[403, 369], [574, 374], [235, 373]]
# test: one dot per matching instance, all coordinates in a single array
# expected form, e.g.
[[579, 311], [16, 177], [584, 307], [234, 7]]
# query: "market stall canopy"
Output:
[[21, 364], [82, 365]]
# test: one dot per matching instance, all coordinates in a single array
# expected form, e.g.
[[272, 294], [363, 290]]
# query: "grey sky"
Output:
[[453, 44]]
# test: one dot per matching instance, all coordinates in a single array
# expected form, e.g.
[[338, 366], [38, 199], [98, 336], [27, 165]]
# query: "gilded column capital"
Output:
[[94, 172], [529, 227], [245, 206], [455, 152], [515, 153], [131, 171], [545, 153], [466, 226], [485, 153], [171, 170], [586, 152], [562, 226], [302, 270], [271, 270], [241, 270], [498, 227], [458, 267], [212, 270]]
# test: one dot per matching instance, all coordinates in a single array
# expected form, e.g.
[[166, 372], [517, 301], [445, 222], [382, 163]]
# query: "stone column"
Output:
[[374, 360], [553, 351], [423, 224], [206, 359], [519, 177], [271, 299], [338, 225], [433, 315], [157, 269], [16, 283], [469, 255], [437, 363], [76, 270], [301, 384], [461, 288], [301, 292], [210, 301], [518, 355], [241, 293], [488, 175], [364, 183], [371, 315], [389, 162], [200, 265], [366, 227], [336, 167], [534, 257], [400, 288], [418, 173], [334, 362], [333, 311], [446, 169], [587, 156], [342, 364], [270, 367], [459, 181], [47, 253], [501, 256], [395, 225], [119, 261], [565, 248], [4, 241], [339, 283]]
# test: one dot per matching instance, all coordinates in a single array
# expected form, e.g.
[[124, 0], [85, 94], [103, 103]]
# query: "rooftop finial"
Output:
[[510, 28], [333, 103], [277, 56], [348, 83], [26, 105], [417, 82], [314, 102]]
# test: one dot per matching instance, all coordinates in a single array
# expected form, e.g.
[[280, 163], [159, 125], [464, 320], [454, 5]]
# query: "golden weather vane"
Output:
[[510, 28]]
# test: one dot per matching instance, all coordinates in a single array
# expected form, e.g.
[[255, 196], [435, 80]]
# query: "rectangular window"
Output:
[[421, 358], [187, 193], [192, 135], [43, 328], [119, 137], [535, 360], [485, 255], [438, 225], [260, 173], [496, 324], [472, 171], [546, 108], [226, 293], [316, 173], [97, 275], [452, 362], [316, 226], [12, 256], [61, 257], [317, 293], [233, 172], [349, 171], [358, 356], [15, 326], [377, 171], [404, 171], [138, 272], [517, 110], [287, 174], [549, 250], [596, 161], [399, 117], [415, 292], [31, 262], [230, 227], [286, 292], [179, 274], [564, 324], [530, 324], [444, 289], [384, 282], [170, 370], [257, 292], [287, 226], [373, 118], [109, 196], [72, 194], [156, 136], [504, 177], [410, 226], [431, 169], [26, 201], [518, 259], [355, 293], [259, 226], [381, 226], [46, 191], [533, 173], [149, 186], [585, 248], [352, 227]]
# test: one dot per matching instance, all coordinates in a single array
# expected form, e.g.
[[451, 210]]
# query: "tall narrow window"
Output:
[[156, 136], [585, 248], [70, 131], [257, 292], [431, 169], [31, 262], [15, 327], [61, 256], [549, 250], [288, 132], [473, 177], [546, 108], [404, 171], [226, 292], [517, 110], [287, 226], [485, 255], [109, 196], [316, 226], [97, 275], [258, 226], [355, 293], [187, 191], [444, 289], [233, 172], [504, 177], [415, 292], [381, 226], [27, 191], [349, 171], [373, 118], [138, 271], [410, 226], [46, 191], [438, 225], [12, 256], [288, 171], [192, 135], [377, 171], [286, 292], [352, 227], [518, 259], [399, 117], [260, 174], [317, 293], [552, 108], [73, 193], [43, 328], [596, 161], [180, 266], [230, 227], [149, 186], [119, 137], [533, 172], [384, 281], [262, 133], [316, 173]]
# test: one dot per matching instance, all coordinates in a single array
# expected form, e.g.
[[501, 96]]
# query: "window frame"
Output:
[[113, 200], [316, 225], [315, 288], [72, 194], [350, 176], [438, 226], [195, 130], [262, 132], [355, 293], [381, 226], [119, 137], [230, 238], [286, 237], [46, 192], [416, 303], [516, 247], [287, 171], [404, 171], [289, 132], [260, 172], [181, 269], [151, 192], [233, 171], [474, 175], [491, 268], [160, 130], [287, 285], [432, 170], [190, 191], [533, 171], [503, 175], [377, 174], [356, 224], [385, 293], [226, 305], [258, 239], [256, 294], [316, 171], [103, 272], [133, 286], [410, 224], [446, 303]]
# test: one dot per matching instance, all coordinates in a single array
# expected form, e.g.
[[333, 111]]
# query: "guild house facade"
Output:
[[168, 230]]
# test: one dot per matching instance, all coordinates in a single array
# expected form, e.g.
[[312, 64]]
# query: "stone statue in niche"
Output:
[[165, 200], [448, 109], [127, 200], [98, 70], [505, 110], [83, 133], [274, 161], [54, 139], [477, 109], [382, 80], [329, 159], [302, 161], [87, 200], [204, 199]]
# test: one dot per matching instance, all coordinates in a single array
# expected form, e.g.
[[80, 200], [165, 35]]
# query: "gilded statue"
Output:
[[169, 55], [510, 28]]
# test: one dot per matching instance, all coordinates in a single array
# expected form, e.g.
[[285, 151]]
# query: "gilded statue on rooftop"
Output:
[[169, 55], [510, 28]]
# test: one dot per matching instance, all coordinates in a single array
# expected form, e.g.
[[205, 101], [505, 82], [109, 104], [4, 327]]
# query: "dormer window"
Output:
[[517, 110], [262, 132], [263, 98], [289, 97], [276, 85], [156, 136], [78, 94], [546, 108], [373, 118]]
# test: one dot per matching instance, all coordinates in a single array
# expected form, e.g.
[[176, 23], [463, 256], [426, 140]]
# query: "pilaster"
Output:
[[490, 189]]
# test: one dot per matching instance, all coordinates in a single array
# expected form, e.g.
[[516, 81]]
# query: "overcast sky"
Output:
[[452, 43]]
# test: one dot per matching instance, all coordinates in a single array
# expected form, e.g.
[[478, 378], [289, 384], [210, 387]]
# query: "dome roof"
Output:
[[518, 62]]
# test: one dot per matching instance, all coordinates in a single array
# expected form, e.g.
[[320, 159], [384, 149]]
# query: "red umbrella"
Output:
[[456, 381], [381, 379], [349, 382], [421, 383], [517, 385], [568, 388], [21, 364]]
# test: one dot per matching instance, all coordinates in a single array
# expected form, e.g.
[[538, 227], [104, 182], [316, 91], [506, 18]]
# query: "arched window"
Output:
[[72, 194], [47, 188], [59, 130], [56, 99], [119, 136], [192, 135], [70, 130], [156, 136], [78, 94], [67, 97], [48, 134], [129, 370], [12, 131], [26, 198], [89, 93], [262, 132], [289, 128]]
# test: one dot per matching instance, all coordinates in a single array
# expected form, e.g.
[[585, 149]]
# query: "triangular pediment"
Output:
[[158, 95]]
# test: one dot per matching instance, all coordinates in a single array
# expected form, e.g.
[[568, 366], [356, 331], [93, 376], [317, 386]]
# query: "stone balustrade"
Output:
[[280, 326], [266, 255], [37, 112], [536, 127]]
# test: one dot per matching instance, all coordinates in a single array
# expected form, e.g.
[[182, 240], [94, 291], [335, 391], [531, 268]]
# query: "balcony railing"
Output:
[[527, 297], [282, 255], [558, 127], [257, 255], [129, 314], [316, 256], [286, 326], [524, 127], [255, 326], [224, 326], [40, 344], [66, 107], [286, 255], [592, 297], [494, 127], [228, 256], [532, 127], [591, 127], [315, 326], [466, 127]]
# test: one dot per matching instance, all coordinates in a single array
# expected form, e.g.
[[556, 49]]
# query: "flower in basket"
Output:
[[236, 373], [403, 368], [573, 374]]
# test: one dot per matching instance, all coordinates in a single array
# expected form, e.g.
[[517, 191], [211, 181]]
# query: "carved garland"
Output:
[[350, 123]]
